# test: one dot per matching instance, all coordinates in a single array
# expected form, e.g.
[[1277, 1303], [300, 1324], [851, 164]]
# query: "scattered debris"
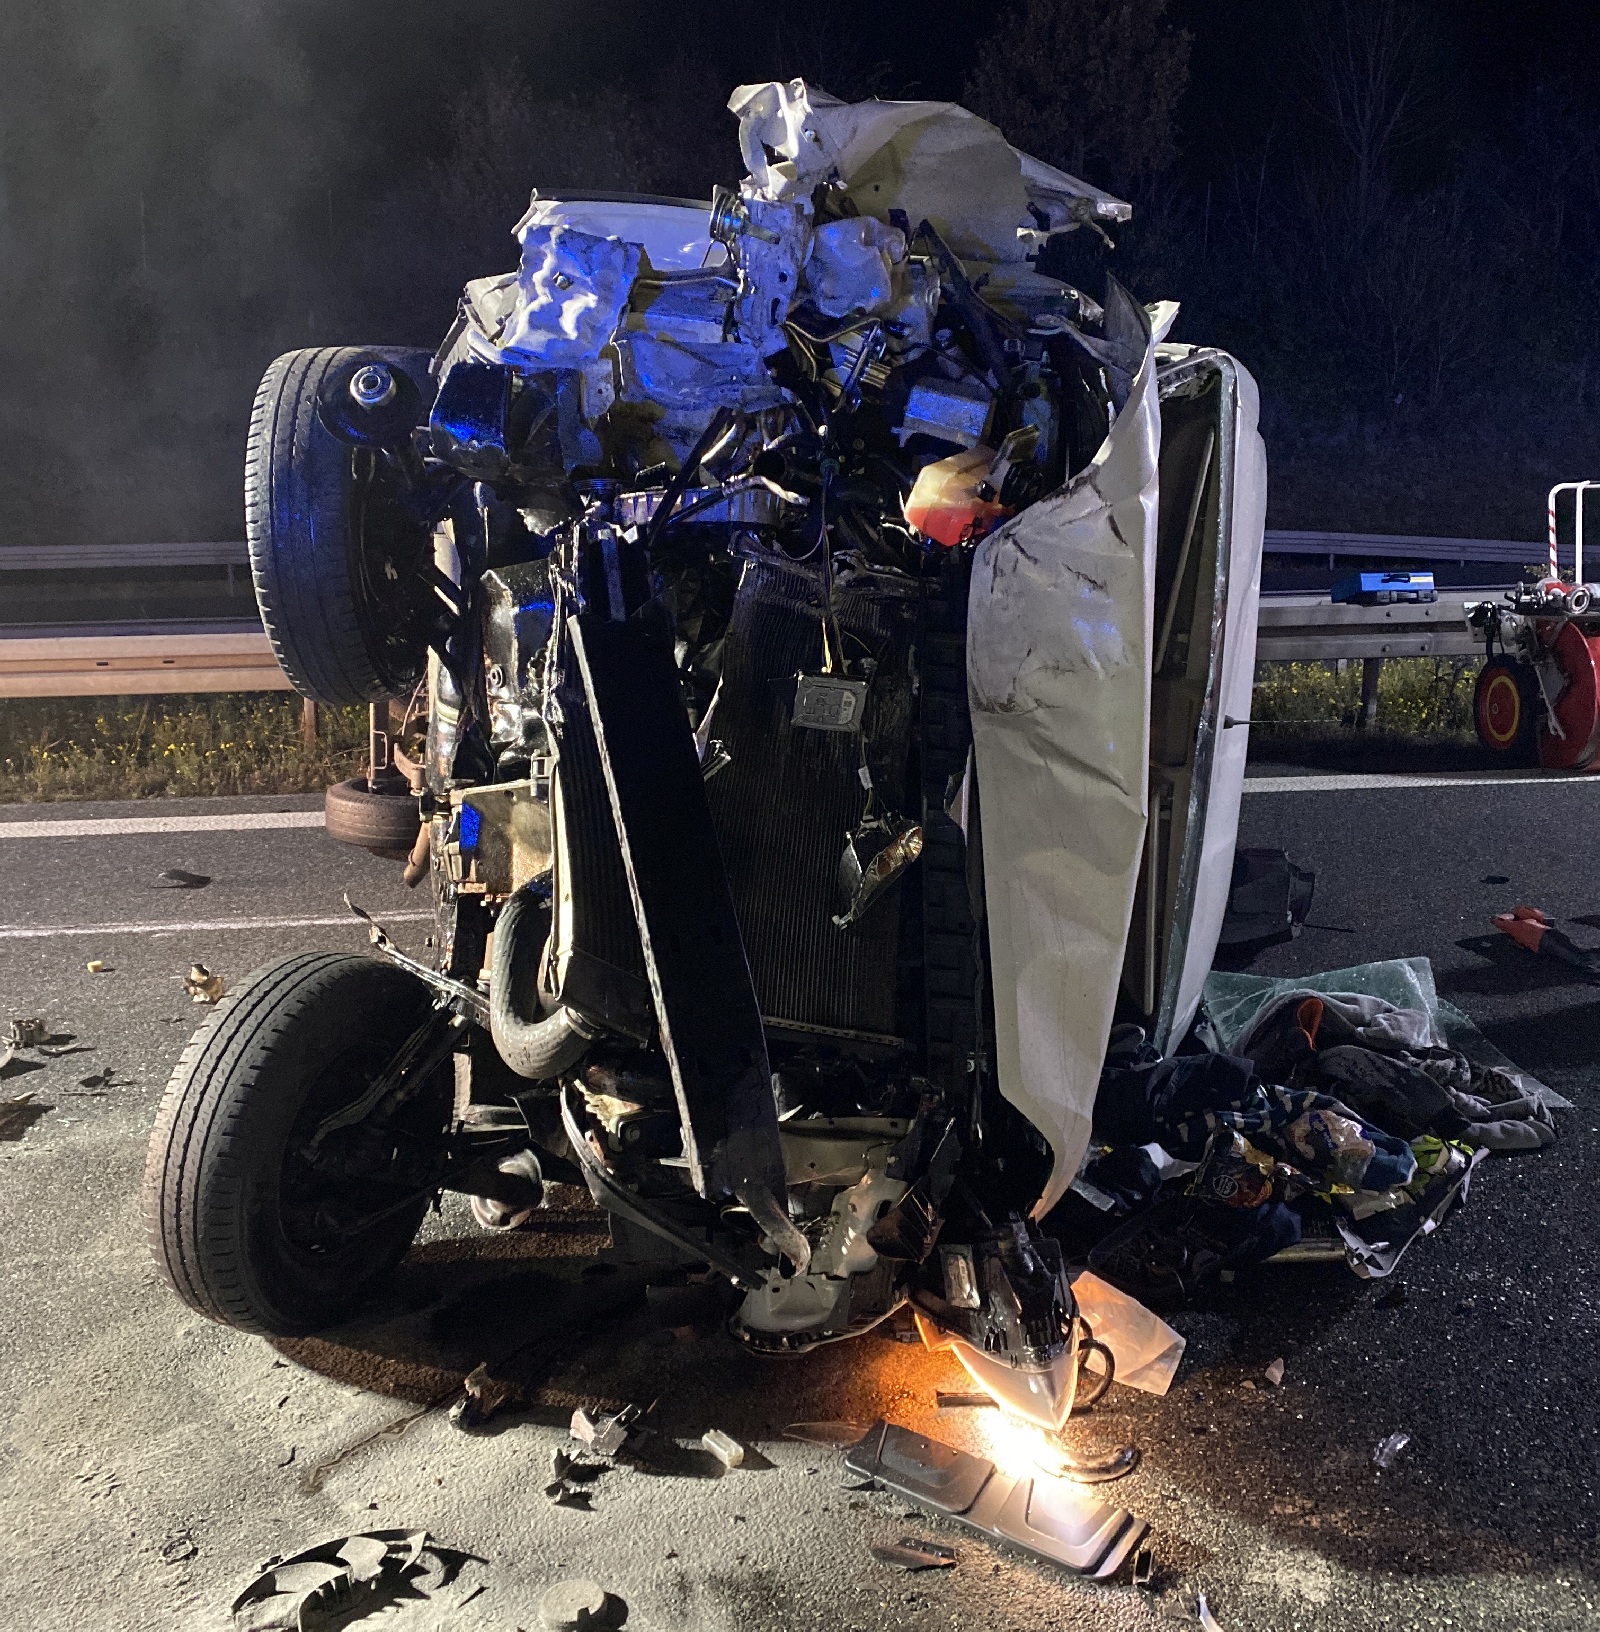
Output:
[[288, 1461], [913, 1553], [175, 878], [839, 1435], [961, 1402], [203, 986], [1144, 1567], [97, 966], [727, 1450], [580, 1606], [605, 1436], [1274, 1374], [27, 1033], [483, 1397], [350, 1573], [98, 1079], [178, 1548], [560, 1463], [1389, 1449], [1207, 1619], [1047, 1517]]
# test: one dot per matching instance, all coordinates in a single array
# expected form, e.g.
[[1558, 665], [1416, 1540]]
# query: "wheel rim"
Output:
[[388, 549], [1500, 709], [324, 1198]]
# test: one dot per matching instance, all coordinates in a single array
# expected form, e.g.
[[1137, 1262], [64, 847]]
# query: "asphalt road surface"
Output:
[[152, 1461]]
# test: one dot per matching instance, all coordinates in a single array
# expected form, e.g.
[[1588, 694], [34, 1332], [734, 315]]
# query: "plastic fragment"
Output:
[[573, 1606], [175, 878], [96, 966], [727, 1450], [605, 1436], [203, 986], [27, 1032], [1274, 1374], [337, 1576], [1389, 1449], [961, 1402], [1207, 1619], [913, 1553], [1144, 1566], [483, 1396]]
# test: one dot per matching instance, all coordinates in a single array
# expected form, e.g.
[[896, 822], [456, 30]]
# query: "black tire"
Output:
[[387, 824], [229, 1203], [335, 560]]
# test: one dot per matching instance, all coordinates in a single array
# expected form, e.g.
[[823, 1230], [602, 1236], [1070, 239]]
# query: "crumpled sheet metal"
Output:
[[564, 302], [1234, 680], [1051, 1518], [934, 160], [1058, 668]]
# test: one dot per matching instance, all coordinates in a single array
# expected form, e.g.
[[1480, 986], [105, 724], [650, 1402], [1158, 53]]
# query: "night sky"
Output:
[[188, 188]]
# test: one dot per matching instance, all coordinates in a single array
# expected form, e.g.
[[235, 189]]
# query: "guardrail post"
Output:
[[308, 726], [1371, 668]]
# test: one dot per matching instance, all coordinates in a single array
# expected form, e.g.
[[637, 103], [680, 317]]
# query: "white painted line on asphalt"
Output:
[[98, 827], [44, 932], [1358, 783]]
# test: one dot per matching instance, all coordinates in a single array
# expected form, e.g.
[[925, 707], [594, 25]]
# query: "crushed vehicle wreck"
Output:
[[827, 628]]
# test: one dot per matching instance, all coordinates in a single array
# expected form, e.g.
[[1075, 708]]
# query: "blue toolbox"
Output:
[[1383, 588]]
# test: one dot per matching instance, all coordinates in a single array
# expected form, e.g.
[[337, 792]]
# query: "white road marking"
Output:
[[99, 827], [1357, 783], [43, 932]]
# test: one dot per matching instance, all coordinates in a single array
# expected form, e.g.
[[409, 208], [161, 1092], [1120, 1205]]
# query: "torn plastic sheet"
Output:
[[1058, 666], [1050, 1518], [934, 160], [1233, 1001], [1144, 1348]]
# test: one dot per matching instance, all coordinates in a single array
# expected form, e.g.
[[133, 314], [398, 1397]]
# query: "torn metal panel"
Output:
[[1227, 655], [569, 295], [934, 160], [1058, 665], [705, 1001]]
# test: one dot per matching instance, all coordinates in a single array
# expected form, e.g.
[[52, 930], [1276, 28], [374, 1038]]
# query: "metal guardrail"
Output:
[[1395, 546], [1310, 628], [151, 659], [138, 660]]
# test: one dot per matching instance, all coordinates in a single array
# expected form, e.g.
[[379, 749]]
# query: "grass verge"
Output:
[[154, 747]]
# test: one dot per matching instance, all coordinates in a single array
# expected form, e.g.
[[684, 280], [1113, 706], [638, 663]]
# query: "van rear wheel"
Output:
[[275, 1198]]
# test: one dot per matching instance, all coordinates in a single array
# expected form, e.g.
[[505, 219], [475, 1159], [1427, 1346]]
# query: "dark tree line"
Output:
[[1402, 246]]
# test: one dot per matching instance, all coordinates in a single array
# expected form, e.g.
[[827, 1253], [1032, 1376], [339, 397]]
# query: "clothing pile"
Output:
[[1327, 1109]]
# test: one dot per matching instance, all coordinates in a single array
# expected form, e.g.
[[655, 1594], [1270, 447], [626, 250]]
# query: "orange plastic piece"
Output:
[[1309, 1017], [944, 504], [1525, 925]]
